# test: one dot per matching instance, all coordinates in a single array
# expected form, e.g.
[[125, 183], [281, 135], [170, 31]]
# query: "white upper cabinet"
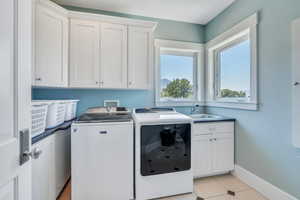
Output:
[[140, 55], [98, 51], [51, 46], [84, 54], [113, 56]]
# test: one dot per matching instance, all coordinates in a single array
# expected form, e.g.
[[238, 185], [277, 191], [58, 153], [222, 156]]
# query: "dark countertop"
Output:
[[51, 131], [222, 119]]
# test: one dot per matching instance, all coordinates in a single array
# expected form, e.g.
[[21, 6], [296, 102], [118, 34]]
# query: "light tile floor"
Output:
[[216, 188], [212, 188]]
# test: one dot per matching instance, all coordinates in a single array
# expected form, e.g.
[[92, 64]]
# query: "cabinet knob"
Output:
[[38, 79], [130, 82], [296, 83]]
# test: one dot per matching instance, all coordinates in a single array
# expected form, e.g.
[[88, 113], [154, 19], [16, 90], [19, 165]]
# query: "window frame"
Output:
[[245, 30], [181, 49]]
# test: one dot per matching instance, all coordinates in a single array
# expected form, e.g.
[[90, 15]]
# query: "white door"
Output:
[[113, 56], [15, 97], [51, 48], [140, 53], [43, 177], [84, 54], [296, 83], [202, 155], [223, 152]]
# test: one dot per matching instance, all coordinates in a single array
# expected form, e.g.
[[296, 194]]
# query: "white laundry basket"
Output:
[[71, 108], [38, 118], [56, 112]]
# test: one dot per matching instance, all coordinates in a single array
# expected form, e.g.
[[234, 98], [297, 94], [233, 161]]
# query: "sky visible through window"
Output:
[[176, 76], [173, 67], [235, 68]]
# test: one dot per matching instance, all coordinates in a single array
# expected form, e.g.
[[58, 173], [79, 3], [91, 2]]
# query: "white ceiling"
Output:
[[193, 11]]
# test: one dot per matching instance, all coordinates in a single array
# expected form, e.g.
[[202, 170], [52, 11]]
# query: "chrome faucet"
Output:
[[195, 109]]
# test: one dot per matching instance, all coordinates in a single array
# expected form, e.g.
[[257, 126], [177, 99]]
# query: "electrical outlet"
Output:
[[111, 103]]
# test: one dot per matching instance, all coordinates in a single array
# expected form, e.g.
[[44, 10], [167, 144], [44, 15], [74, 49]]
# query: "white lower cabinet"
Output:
[[43, 183], [62, 159], [212, 148], [202, 156], [51, 171], [223, 153]]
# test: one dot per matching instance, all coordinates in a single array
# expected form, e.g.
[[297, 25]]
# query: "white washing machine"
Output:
[[162, 153]]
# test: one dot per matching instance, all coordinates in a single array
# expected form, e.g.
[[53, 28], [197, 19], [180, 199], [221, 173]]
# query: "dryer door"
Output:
[[165, 148]]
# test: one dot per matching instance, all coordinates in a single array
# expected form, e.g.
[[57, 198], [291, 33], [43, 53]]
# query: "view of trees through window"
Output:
[[176, 77], [234, 72]]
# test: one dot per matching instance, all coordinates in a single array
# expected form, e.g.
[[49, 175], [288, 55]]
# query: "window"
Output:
[[233, 72], [232, 67], [177, 67]]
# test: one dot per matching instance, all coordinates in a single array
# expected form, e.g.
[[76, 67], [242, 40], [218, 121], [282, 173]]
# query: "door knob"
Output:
[[35, 154]]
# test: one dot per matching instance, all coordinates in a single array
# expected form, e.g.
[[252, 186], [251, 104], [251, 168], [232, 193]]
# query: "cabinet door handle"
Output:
[[38, 79], [102, 132]]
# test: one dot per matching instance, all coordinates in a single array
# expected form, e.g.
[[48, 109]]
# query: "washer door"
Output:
[[165, 148]]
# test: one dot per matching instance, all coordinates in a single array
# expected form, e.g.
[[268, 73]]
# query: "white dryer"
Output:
[[162, 153]]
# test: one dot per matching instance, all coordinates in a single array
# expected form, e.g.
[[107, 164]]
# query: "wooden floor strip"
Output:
[[66, 194]]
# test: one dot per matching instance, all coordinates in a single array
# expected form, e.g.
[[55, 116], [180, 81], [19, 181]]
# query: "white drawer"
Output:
[[213, 128]]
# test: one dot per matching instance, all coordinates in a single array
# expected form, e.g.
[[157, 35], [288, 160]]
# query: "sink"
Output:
[[205, 117]]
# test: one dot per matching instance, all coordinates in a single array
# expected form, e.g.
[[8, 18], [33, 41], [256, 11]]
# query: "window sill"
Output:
[[178, 104], [233, 105]]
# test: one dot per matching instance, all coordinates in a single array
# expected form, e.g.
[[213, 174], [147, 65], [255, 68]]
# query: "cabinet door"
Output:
[[84, 54], [223, 152], [140, 55], [43, 171], [296, 83], [202, 156], [113, 56], [51, 49]]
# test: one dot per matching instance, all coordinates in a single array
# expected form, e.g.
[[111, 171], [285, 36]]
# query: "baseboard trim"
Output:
[[265, 188]]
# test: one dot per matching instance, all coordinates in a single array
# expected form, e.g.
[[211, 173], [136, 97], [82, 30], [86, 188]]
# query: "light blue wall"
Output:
[[166, 29], [263, 138], [95, 97]]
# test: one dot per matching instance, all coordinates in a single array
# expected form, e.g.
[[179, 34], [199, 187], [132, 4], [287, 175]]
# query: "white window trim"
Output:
[[244, 28], [196, 48]]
